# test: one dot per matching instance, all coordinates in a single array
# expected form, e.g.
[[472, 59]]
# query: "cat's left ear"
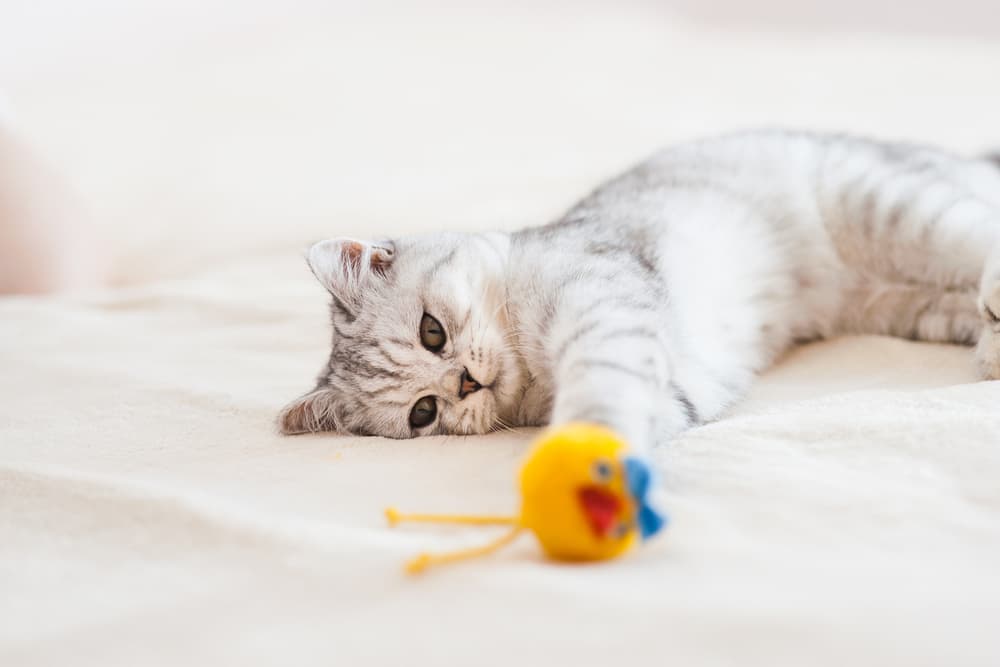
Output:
[[346, 267]]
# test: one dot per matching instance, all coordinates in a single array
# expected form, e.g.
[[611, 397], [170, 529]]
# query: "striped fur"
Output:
[[651, 304]]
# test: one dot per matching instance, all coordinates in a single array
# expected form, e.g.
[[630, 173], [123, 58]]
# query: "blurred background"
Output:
[[164, 138]]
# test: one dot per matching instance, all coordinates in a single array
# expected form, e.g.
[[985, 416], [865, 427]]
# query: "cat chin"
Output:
[[506, 391]]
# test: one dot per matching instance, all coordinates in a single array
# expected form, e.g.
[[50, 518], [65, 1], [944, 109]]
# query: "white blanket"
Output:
[[847, 513]]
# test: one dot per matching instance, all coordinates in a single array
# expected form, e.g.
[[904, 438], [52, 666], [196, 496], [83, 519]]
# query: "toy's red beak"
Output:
[[600, 507]]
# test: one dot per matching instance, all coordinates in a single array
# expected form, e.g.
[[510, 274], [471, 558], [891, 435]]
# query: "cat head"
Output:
[[420, 338]]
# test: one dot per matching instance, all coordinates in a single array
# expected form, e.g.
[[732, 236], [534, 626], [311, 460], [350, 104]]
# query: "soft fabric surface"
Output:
[[847, 513]]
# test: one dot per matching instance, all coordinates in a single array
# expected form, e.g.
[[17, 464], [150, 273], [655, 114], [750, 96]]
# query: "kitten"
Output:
[[650, 306]]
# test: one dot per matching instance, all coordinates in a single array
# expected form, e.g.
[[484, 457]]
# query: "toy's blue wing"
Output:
[[640, 479], [650, 521]]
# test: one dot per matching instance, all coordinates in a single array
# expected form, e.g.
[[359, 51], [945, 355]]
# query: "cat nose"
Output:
[[468, 385]]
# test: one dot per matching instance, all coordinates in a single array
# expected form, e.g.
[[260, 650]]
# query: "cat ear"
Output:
[[308, 414], [345, 267]]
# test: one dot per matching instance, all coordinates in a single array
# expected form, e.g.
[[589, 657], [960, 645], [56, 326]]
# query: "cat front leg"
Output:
[[613, 369]]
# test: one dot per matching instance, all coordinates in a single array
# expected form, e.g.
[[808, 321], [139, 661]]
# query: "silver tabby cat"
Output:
[[650, 305]]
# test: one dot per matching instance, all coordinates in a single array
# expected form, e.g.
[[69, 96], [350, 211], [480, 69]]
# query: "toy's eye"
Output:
[[602, 471], [431, 333], [424, 412]]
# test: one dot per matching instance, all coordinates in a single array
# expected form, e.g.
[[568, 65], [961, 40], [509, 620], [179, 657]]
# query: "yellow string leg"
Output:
[[424, 561], [394, 517]]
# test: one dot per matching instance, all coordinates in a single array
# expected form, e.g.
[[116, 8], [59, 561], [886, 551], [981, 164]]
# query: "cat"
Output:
[[650, 306]]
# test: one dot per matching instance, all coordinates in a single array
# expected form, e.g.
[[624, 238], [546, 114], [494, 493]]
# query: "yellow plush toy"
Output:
[[580, 496]]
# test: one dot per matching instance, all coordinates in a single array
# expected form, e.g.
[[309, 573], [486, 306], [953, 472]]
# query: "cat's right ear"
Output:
[[347, 267]]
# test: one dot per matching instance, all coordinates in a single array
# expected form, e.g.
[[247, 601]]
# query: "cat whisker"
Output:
[[500, 425]]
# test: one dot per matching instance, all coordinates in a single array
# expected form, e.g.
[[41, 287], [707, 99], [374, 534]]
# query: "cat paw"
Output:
[[988, 348], [988, 354]]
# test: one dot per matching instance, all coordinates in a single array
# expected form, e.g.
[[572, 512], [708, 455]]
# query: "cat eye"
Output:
[[431, 333], [424, 412]]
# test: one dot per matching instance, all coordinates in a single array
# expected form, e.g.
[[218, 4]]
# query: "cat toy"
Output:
[[582, 499]]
